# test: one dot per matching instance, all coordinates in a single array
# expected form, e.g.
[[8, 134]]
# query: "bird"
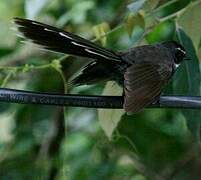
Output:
[[142, 71]]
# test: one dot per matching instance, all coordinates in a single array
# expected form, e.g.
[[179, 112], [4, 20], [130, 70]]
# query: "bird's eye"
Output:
[[180, 55]]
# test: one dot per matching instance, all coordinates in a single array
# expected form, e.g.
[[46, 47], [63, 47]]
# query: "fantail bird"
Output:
[[142, 71]]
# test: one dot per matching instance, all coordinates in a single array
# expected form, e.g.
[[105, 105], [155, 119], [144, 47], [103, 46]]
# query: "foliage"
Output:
[[45, 142]]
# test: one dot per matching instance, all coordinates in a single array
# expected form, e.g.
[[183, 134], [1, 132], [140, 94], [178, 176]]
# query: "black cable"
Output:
[[115, 102], [30, 97]]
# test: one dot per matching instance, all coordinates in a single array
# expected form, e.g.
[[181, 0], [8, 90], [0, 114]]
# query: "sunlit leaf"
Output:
[[190, 21], [109, 118]]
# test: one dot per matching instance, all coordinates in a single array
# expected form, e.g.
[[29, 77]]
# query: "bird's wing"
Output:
[[55, 39], [143, 83]]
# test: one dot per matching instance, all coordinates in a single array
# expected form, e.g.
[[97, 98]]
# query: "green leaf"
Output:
[[135, 6], [190, 21], [187, 81], [189, 70], [162, 32], [155, 148], [133, 21], [100, 30], [109, 118]]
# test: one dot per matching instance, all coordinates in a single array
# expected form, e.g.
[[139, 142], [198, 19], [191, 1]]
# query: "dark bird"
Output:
[[142, 71]]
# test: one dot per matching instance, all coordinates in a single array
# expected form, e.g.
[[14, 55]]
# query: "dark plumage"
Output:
[[142, 71]]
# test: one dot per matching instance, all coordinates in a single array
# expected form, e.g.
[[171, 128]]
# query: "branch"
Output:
[[114, 102]]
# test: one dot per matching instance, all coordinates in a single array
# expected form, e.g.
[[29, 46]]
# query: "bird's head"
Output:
[[178, 51]]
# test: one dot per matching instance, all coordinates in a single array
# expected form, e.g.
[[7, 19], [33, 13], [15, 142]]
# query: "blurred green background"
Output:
[[45, 142]]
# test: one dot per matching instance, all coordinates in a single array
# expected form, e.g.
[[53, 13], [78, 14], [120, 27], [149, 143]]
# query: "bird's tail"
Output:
[[55, 39]]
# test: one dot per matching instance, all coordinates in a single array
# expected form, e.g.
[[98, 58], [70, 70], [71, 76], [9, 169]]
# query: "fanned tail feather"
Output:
[[55, 39]]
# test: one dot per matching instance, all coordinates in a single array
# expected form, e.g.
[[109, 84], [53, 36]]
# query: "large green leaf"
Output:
[[155, 147], [189, 20], [187, 81]]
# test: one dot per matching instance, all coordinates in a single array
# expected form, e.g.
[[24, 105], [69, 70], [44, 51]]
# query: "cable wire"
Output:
[[74, 100]]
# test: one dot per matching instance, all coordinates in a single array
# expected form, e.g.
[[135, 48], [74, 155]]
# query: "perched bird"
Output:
[[142, 71]]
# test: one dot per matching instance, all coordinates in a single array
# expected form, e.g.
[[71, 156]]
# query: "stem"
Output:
[[108, 33], [19, 68], [63, 78], [164, 5], [7, 78]]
